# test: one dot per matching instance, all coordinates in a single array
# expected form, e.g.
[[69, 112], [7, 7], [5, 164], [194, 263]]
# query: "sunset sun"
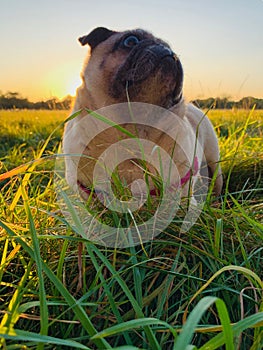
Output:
[[63, 80]]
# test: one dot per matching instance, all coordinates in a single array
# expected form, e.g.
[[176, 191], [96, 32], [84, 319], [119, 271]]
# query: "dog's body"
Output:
[[134, 66]]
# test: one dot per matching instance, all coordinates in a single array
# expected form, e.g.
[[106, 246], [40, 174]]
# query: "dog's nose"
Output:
[[161, 51]]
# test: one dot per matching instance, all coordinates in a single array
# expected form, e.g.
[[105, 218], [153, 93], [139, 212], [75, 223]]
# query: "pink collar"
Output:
[[191, 172]]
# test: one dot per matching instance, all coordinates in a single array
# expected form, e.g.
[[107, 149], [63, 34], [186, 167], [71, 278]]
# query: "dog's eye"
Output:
[[130, 41]]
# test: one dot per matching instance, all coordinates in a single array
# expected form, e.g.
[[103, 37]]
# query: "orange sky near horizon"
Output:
[[219, 43]]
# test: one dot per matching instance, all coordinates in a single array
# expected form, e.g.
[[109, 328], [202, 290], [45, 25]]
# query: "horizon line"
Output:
[[43, 99]]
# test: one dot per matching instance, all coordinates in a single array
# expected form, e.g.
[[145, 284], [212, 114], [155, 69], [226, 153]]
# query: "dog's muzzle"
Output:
[[160, 51]]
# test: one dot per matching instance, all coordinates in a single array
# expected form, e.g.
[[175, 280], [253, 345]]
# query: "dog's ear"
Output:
[[96, 36]]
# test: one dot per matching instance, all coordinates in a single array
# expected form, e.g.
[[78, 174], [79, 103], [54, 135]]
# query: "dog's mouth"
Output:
[[149, 63]]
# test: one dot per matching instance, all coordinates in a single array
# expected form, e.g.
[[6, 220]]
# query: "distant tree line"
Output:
[[13, 100], [226, 103]]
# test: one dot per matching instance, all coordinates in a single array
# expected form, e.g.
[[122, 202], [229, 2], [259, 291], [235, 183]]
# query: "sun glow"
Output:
[[63, 81]]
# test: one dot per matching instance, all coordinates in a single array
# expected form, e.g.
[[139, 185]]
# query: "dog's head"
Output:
[[130, 66]]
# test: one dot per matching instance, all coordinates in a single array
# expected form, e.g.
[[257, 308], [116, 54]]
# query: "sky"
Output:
[[220, 43]]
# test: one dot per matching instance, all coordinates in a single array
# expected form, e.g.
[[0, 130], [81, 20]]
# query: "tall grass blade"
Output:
[[109, 122], [131, 325], [255, 320], [185, 337], [71, 301], [12, 313], [138, 310], [246, 272], [108, 293], [24, 336], [38, 261]]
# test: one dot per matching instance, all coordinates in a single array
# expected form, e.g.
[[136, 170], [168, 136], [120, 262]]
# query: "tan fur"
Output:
[[100, 69]]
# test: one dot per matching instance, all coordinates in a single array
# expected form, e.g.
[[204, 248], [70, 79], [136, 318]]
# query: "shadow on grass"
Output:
[[246, 176]]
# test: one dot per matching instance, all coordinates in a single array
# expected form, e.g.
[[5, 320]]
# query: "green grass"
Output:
[[198, 290]]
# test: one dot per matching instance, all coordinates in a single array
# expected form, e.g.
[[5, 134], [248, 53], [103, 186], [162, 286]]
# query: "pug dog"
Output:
[[135, 67]]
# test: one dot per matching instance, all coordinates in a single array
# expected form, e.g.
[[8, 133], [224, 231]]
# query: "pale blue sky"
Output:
[[220, 43]]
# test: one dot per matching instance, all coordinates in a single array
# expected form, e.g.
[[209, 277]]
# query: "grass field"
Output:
[[199, 290]]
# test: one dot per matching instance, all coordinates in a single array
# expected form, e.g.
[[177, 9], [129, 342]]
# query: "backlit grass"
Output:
[[58, 290]]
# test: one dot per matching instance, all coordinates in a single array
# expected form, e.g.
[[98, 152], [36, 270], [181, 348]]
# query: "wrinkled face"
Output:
[[131, 65]]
